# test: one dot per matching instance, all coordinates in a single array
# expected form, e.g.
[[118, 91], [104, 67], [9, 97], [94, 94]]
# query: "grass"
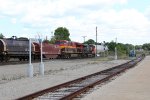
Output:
[[15, 77]]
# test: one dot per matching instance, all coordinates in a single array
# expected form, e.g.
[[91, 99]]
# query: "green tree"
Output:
[[62, 33], [1, 36], [138, 47], [90, 41], [122, 49], [146, 46], [52, 41], [111, 46]]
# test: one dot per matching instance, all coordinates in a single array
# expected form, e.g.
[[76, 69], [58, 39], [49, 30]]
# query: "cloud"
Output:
[[80, 17], [14, 20]]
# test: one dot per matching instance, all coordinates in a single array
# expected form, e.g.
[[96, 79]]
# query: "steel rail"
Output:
[[71, 89]]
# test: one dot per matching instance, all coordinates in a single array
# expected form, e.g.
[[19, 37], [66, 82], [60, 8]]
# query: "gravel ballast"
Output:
[[14, 82], [132, 85]]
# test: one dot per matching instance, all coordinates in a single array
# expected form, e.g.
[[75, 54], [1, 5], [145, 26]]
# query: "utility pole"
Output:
[[116, 50], [51, 34], [84, 38], [96, 42], [134, 50]]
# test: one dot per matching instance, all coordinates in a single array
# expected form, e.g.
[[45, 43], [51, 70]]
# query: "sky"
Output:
[[126, 20]]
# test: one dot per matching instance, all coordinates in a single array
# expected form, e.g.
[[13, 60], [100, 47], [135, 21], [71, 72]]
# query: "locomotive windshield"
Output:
[[60, 42]]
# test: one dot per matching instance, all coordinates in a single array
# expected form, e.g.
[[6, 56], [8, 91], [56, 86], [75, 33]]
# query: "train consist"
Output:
[[19, 48]]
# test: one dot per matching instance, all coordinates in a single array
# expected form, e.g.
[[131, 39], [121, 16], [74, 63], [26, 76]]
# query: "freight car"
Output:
[[50, 51], [14, 48], [19, 48]]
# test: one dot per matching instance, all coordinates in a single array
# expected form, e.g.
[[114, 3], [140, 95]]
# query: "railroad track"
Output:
[[71, 89], [17, 62]]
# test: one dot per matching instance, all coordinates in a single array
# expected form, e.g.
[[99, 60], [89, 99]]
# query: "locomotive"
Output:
[[19, 48], [71, 49]]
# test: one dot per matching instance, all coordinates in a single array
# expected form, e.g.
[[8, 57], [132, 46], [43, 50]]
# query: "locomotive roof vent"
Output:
[[23, 38], [12, 38]]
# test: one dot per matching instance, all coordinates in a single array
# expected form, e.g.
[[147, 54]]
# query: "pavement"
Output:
[[134, 84]]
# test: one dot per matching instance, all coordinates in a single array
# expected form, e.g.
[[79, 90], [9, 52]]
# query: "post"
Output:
[[30, 67], [116, 51], [41, 66], [134, 51], [84, 38], [96, 42]]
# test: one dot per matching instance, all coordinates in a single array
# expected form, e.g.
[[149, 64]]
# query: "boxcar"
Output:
[[50, 51]]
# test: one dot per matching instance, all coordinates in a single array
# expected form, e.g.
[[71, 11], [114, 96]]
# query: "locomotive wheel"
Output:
[[24, 59], [1, 58], [20, 59], [69, 56]]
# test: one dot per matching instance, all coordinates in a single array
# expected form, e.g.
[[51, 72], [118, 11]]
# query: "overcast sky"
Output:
[[128, 20]]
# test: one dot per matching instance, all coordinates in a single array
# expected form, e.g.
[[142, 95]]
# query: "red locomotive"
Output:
[[74, 49]]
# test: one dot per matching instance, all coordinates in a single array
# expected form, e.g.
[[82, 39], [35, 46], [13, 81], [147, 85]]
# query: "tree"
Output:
[[138, 47], [62, 33], [52, 41], [90, 41], [121, 48], [146, 46], [1, 36], [111, 46]]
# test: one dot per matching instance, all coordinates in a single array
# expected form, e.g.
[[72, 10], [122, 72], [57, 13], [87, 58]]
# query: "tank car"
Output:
[[16, 48]]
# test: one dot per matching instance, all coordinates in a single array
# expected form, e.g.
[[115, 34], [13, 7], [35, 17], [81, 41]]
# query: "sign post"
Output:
[[41, 66], [116, 51], [30, 67]]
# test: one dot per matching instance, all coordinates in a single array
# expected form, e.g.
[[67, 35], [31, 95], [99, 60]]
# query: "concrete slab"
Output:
[[132, 85]]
